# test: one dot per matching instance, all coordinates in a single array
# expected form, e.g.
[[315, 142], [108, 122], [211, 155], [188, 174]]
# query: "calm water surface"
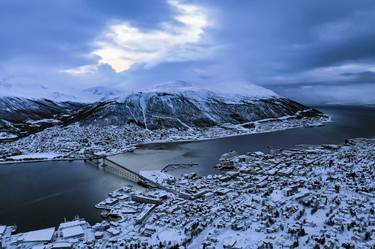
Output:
[[347, 122], [36, 195]]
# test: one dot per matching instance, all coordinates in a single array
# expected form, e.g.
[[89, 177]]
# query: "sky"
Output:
[[316, 52]]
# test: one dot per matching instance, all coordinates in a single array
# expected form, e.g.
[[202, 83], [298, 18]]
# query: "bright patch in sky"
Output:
[[122, 45]]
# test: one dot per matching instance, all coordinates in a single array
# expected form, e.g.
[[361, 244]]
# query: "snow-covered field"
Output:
[[312, 197]]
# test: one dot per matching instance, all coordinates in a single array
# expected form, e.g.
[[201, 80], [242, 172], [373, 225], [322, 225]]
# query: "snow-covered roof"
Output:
[[72, 232], [62, 245], [2, 229], [38, 247], [71, 224], [155, 175], [113, 231], [42, 235]]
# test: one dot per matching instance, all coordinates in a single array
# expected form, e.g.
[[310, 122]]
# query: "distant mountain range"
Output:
[[167, 106]]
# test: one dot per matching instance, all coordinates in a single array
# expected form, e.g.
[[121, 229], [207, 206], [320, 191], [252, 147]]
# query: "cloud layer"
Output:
[[297, 48], [123, 45]]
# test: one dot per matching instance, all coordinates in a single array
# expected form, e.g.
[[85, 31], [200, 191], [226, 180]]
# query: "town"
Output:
[[75, 141], [305, 197]]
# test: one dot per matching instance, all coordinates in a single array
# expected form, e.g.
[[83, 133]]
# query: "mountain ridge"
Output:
[[163, 107]]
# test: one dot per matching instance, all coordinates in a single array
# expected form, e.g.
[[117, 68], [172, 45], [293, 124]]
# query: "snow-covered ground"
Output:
[[199, 93], [93, 94], [35, 156], [75, 141], [7, 135], [312, 197]]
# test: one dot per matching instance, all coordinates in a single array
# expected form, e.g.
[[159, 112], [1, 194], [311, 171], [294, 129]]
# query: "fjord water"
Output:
[[39, 195], [347, 122], [36, 195]]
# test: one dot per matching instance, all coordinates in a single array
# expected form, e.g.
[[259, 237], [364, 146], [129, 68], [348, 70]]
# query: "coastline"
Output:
[[258, 130], [310, 186]]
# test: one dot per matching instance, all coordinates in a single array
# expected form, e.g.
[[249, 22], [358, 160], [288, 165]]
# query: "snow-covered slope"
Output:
[[230, 94], [20, 116], [185, 106], [180, 106]]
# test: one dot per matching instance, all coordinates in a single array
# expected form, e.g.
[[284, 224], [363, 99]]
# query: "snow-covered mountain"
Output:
[[166, 106], [21, 116], [187, 106]]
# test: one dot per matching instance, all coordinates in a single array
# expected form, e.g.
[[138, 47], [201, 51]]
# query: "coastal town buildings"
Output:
[[310, 197]]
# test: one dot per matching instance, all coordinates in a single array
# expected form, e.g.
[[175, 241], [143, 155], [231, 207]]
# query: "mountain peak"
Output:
[[221, 90]]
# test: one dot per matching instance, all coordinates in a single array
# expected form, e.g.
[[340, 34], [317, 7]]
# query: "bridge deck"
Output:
[[126, 172]]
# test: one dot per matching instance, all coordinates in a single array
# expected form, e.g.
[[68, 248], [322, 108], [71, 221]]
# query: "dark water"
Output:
[[35, 195], [347, 122]]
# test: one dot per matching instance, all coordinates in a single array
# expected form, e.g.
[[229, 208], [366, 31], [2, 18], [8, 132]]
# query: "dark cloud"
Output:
[[61, 31], [272, 37], [361, 77], [270, 42], [321, 94]]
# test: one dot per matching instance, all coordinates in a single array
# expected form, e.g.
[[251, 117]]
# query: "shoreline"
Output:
[[130, 148], [308, 187]]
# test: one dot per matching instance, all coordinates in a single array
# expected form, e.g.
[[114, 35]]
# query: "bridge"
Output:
[[130, 173], [118, 169]]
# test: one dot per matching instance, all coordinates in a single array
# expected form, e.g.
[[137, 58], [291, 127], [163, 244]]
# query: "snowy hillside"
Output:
[[187, 106], [229, 94], [176, 105], [20, 116]]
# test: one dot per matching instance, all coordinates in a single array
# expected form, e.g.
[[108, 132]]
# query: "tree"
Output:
[[295, 244], [301, 232], [337, 188], [367, 235]]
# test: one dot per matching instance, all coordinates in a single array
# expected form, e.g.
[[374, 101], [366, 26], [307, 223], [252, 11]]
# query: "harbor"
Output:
[[85, 186], [293, 197]]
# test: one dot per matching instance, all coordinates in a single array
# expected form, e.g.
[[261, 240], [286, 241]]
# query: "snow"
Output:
[[61, 245], [7, 135], [71, 224], [224, 90], [113, 231], [39, 247], [72, 228], [277, 195], [39, 235], [108, 140], [143, 104], [39, 91], [99, 93], [240, 239], [72, 232], [155, 175], [247, 213], [2, 229], [230, 95], [43, 155], [44, 120], [172, 235]]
